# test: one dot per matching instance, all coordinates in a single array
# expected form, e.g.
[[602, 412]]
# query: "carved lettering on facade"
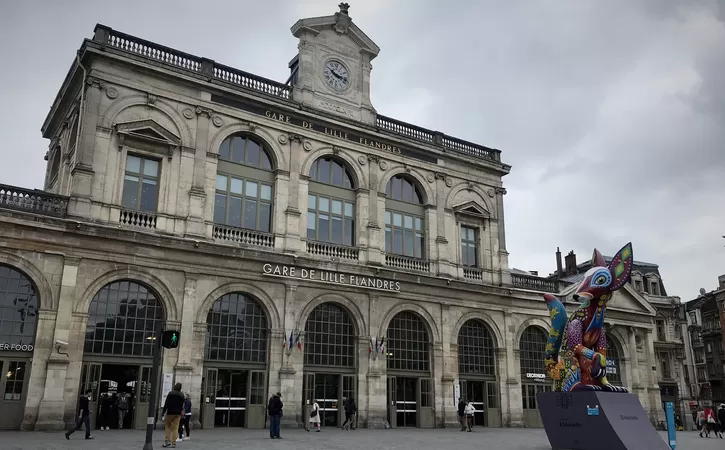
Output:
[[326, 276]]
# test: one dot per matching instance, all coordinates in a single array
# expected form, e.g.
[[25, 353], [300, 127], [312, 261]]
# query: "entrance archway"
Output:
[[124, 318], [330, 376], [534, 378], [410, 388], [477, 372], [235, 361], [18, 323]]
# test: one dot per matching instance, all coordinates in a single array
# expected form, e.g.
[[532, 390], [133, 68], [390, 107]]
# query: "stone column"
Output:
[[197, 194], [292, 213], [76, 338], [375, 221], [653, 390], [503, 255], [511, 375], [190, 361], [193, 372], [44, 404], [376, 376], [362, 397], [291, 368], [82, 172], [448, 369], [451, 378], [506, 385], [52, 405]]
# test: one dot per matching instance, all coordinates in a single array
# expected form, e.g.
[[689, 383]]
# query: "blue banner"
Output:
[[671, 432]]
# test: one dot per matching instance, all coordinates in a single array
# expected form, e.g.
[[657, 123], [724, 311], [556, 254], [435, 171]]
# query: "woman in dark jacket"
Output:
[[350, 410], [185, 419], [721, 420]]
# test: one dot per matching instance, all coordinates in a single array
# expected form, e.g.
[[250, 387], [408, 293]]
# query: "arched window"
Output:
[[407, 343], [475, 349], [329, 337], [532, 349], [614, 374], [237, 330], [18, 309], [331, 203], [404, 218], [244, 185], [123, 319]]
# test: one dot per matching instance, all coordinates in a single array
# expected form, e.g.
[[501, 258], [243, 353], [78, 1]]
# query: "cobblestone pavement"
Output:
[[481, 439]]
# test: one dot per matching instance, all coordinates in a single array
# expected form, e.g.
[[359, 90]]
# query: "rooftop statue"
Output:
[[581, 338]]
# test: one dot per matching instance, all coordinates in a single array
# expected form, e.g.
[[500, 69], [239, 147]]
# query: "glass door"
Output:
[[231, 400], [407, 402], [142, 394], [348, 392], [327, 392], [208, 398], [392, 401], [91, 379], [13, 386], [257, 406]]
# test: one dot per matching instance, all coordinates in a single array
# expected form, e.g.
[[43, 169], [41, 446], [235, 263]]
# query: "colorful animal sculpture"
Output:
[[581, 339]]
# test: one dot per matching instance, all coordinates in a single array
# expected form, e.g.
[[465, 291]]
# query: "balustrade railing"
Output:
[[332, 250], [243, 236], [141, 219], [472, 274], [534, 283], [34, 201], [213, 70], [407, 263]]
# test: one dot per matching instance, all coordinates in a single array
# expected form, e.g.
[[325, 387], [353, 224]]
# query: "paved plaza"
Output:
[[481, 439]]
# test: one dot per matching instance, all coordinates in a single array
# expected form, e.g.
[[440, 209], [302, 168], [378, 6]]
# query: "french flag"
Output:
[[291, 339], [299, 340]]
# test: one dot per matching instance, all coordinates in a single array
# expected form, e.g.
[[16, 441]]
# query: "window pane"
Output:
[[387, 217], [407, 191], [133, 164], [398, 241], [151, 167], [419, 245], [220, 208], [250, 214], [266, 163], [221, 182], [324, 204], [252, 153], [472, 257], [397, 188], [266, 193], [323, 171], [419, 224], [397, 220], [236, 187], [235, 211], [409, 243], [238, 149], [336, 207], [311, 225], [336, 174], [312, 202], [224, 149], [148, 195], [408, 222], [324, 228], [336, 235], [416, 197], [464, 255], [349, 232], [130, 192], [250, 189], [349, 210], [347, 182], [388, 240]]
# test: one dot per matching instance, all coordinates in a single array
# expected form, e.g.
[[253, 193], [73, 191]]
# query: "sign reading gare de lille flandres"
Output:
[[326, 276]]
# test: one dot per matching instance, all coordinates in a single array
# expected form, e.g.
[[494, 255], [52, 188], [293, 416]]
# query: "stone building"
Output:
[[299, 241], [705, 352]]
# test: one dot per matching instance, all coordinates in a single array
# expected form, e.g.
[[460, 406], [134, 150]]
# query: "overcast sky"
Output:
[[612, 115]]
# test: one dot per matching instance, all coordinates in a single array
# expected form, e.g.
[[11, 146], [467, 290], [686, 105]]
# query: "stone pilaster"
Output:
[[653, 390], [52, 405], [279, 222], [377, 390], [193, 378], [511, 380], [197, 194], [294, 196], [45, 386], [451, 378], [362, 204], [77, 335], [82, 173]]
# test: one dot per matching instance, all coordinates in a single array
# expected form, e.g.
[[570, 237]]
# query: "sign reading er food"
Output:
[[326, 276], [16, 347]]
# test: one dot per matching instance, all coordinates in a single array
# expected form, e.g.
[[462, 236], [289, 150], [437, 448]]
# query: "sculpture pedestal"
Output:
[[591, 420]]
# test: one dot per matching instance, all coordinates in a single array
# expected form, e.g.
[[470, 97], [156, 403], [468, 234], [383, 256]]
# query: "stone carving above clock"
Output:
[[332, 69]]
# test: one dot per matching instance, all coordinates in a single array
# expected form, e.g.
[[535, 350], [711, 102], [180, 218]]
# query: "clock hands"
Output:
[[339, 77]]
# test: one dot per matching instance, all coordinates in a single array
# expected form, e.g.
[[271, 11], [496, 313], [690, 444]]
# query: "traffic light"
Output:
[[170, 339]]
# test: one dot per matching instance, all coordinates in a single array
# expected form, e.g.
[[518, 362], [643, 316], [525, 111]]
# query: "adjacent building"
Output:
[[298, 240]]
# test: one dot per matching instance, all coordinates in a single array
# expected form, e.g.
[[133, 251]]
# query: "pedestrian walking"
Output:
[[274, 409], [184, 423], [171, 415], [350, 411], [315, 416], [122, 408], [721, 420], [84, 415], [462, 413], [104, 418], [470, 415]]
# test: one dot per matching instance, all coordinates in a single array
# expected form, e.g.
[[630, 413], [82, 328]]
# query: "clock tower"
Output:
[[331, 72]]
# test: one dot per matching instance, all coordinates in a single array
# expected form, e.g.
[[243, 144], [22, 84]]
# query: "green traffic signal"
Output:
[[170, 339]]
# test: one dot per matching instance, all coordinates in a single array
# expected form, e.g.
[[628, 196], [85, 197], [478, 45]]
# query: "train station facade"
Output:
[[299, 241]]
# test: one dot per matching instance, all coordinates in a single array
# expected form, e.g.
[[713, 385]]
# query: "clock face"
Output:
[[336, 75]]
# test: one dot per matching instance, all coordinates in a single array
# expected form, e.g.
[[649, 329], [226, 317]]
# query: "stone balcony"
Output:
[[33, 201]]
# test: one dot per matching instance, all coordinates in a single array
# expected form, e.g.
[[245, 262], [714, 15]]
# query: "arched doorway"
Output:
[[235, 362], [124, 319], [614, 370], [330, 374], [477, 372], [18, 323], [534, 378], [410, 389]]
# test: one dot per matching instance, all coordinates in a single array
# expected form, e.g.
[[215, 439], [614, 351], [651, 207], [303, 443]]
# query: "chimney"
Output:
[[570, 261], [559, 270]]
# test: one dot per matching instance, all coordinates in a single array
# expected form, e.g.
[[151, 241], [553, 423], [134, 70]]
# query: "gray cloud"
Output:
[[612, 114]]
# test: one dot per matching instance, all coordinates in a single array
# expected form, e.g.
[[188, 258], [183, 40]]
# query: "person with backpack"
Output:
[[274, 409]]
